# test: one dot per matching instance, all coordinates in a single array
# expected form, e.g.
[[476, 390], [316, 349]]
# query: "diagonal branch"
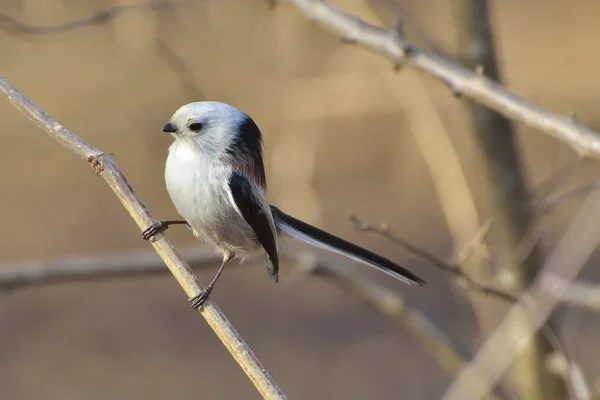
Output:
[[107, 169], [463, 82]]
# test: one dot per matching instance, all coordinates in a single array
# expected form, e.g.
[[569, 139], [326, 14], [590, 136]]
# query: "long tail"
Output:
[[308, 233]]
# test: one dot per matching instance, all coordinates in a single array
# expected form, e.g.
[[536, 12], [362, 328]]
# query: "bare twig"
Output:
[[475, 243], [584, 140], [107, 169], [535, 305], [15, 27], [455, 269], [470, 283]]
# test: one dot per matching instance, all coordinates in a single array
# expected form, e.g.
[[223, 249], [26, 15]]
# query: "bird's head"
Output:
[[215, 126]]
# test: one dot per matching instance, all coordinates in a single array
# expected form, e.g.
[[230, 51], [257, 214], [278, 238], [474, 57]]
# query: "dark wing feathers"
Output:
[[255, 216], [245, 152]]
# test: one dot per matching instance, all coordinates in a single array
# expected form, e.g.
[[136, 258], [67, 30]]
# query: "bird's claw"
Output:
[[199, 300], [153, 229]]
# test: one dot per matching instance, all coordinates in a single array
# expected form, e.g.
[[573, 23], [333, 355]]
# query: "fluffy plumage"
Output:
[[216, 180], [198, 172]]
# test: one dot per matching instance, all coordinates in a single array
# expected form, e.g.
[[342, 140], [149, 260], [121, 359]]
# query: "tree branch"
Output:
[[107, 169], [534, 305], [455, 269], [463, 82], [582, 139], [22, 274], [466, 280]]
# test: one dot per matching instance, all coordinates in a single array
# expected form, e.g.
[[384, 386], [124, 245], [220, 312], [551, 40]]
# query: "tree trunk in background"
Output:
[[528, 379]]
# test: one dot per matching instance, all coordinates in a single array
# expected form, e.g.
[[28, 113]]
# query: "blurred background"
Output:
[[342, 131]]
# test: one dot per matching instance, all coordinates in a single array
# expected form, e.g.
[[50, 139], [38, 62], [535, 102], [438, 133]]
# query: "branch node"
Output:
[[97, 161]]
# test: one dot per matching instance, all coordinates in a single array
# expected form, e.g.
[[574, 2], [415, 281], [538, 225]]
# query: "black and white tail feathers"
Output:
[[315, 236]]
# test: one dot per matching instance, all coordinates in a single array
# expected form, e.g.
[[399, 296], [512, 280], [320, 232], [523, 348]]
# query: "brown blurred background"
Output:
[[339, 135]]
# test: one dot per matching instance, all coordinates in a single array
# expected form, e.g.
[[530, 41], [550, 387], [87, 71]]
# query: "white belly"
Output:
[[200, 192]]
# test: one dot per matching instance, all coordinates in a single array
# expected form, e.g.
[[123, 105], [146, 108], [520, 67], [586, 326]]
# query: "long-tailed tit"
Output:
[[216, 179]]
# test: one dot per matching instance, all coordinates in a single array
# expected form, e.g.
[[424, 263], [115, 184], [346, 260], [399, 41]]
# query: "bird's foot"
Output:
[[199, 300], [155, 228]]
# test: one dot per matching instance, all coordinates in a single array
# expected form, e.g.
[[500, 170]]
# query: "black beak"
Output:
[[169, 127]]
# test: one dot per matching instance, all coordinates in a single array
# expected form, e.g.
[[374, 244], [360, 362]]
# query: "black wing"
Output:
[[254, 214], [245, 152]]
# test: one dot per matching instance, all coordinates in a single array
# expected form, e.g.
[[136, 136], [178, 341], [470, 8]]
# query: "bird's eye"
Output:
[[195, 126]]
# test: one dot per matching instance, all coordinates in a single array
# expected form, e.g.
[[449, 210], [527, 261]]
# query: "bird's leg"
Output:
[[200, 298], [159, 226]]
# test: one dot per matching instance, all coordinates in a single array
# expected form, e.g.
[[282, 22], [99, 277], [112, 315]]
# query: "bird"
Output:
[[215, 177]]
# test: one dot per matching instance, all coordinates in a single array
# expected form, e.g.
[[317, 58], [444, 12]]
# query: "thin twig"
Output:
[[15, 27], [474, 244], [384, 231], [584, 140], [455, 269], [107, 169], [535, 305], [463, 82]]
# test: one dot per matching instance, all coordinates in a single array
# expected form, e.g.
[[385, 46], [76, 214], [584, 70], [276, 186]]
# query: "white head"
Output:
[[222, 131]]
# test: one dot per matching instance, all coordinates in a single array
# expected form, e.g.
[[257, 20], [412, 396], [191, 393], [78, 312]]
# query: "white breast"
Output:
[[199, 190]]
